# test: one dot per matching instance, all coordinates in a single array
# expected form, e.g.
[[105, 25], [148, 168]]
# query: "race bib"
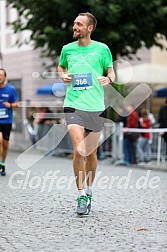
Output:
[[3, 113], [82, 81]]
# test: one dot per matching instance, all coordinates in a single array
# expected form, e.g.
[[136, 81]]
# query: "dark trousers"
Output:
[[129, 147]]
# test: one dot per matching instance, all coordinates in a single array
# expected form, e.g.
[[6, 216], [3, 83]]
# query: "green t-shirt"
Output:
[[91, 61]]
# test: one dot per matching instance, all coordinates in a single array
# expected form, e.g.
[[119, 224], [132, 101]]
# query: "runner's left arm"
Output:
[[13, 105], [105, 80]]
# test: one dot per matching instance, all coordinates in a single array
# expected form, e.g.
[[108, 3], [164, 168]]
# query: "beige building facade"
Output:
[[159, 56], [25, 70]]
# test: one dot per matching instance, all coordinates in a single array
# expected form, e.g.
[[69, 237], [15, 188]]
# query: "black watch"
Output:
[[109, 79]]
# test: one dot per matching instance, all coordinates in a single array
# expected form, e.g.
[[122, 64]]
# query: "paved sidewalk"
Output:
[[129, 209], [153, 165]]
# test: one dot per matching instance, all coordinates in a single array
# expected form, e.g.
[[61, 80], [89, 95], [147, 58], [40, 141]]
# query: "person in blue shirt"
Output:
[[8, 102]]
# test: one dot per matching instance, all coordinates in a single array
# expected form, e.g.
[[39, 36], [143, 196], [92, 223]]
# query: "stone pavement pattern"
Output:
[[31, 220]]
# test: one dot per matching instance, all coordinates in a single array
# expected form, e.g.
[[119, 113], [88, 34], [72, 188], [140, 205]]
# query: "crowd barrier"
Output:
[[111, 144], [158, 146]]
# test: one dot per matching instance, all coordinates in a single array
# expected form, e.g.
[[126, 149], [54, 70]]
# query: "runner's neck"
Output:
[[2, 85], [84, 42]]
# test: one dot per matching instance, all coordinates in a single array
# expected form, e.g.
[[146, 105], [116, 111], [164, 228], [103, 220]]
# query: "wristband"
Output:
[[11, 105], [109, 79]]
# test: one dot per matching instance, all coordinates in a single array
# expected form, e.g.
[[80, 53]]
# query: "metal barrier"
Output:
[[111, 147], [117, 143], [56, 140], [65, 145], [158, 145]]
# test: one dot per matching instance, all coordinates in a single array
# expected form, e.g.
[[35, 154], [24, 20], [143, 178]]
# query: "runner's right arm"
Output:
[[66, 77]]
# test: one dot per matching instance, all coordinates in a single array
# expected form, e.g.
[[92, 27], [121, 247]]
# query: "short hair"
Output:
[[91, 19], [2, 69], [144, 113]]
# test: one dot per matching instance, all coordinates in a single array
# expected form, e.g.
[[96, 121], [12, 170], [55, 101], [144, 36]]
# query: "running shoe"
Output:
[[83, 205], [89, 196], [2, 167]]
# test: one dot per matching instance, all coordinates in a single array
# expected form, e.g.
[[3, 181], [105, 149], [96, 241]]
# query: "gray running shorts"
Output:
[[90, 121]]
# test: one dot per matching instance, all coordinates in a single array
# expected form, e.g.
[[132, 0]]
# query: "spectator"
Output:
[[120, 117], [143, 140], [153, 121], [130, 138], [44, 121], [162, 120], [30, 122], [152, 118], [30, 115]]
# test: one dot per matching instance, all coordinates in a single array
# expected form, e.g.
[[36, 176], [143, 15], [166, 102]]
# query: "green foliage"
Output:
[[124, 25]]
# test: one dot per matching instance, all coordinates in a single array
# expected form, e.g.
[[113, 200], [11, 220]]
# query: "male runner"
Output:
[[8, 102], [85, 66]]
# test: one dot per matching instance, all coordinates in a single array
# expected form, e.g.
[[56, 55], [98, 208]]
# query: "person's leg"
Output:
[[85, 154], [5, 147], [91, 165], [140, 149], [1, 145], [91, 145], [126, 147], [4, 144], [131, 151], [148, 150], [76, 133], [134, 152], [165, 139], [4, 138]]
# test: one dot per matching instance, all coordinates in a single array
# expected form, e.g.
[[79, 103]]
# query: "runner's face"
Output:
[[2, 77], [81, 28]]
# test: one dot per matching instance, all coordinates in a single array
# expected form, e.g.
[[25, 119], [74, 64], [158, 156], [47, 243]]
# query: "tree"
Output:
[[124, 25]]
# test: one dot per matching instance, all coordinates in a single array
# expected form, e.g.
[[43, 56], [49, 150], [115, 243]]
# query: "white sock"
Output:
[[88, 190], [81, 192]]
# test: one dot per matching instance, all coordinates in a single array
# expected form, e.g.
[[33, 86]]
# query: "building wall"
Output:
[[25, 65], [143, 55], [22, 64], [159, 56]]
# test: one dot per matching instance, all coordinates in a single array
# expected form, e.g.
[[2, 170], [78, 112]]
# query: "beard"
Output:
[[78, 35]]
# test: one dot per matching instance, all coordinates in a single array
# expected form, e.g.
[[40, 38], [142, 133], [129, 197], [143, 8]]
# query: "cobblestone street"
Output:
[[37, 213]]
